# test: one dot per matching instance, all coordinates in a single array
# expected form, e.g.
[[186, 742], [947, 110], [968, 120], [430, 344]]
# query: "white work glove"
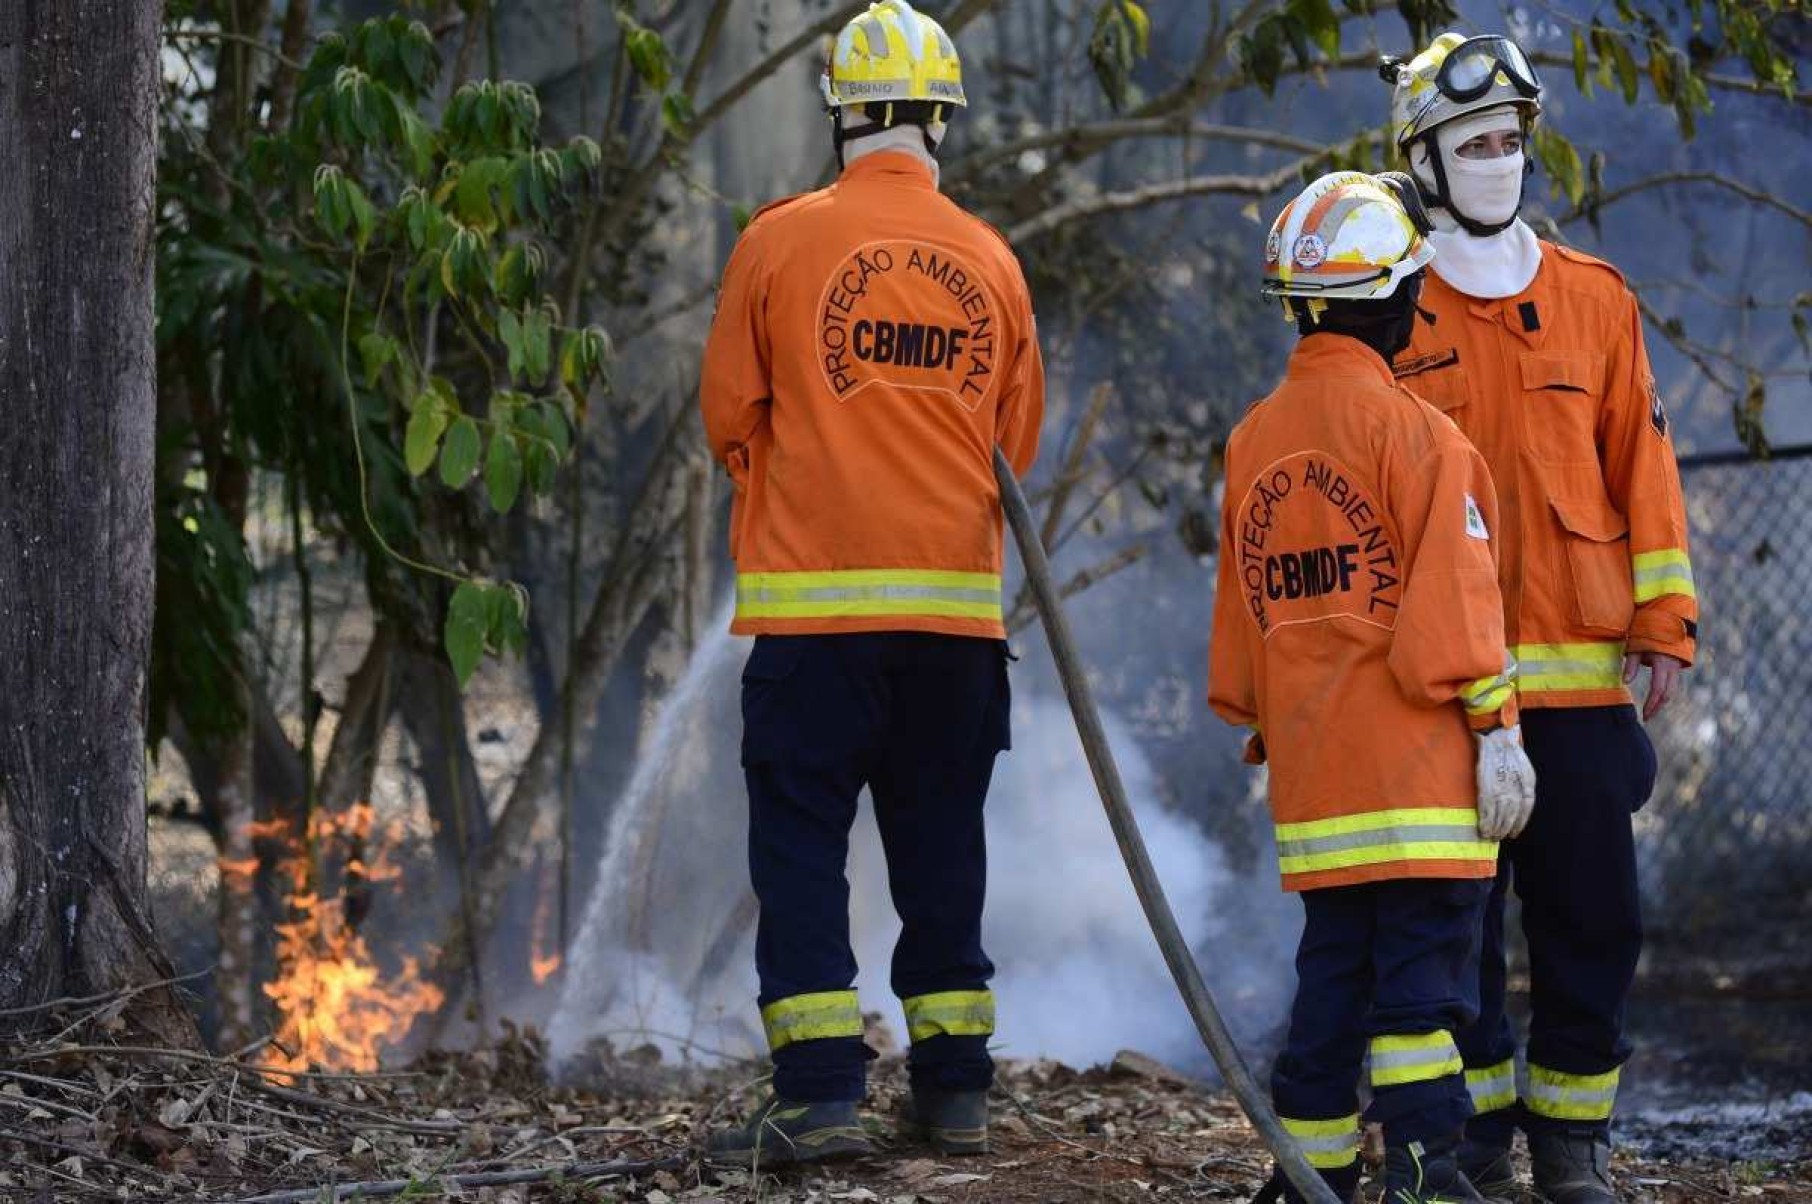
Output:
[[1506, 784]]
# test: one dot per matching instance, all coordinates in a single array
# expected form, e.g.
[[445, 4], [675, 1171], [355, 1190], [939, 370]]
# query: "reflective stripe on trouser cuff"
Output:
[[1561, 1096], [1492, 1087], [811, 1018], [1419, 1058], [1489, 694], [850, 593], [1418, 834], [1327, 1144], [1658, 573], [950, 1014], [1542, 668]]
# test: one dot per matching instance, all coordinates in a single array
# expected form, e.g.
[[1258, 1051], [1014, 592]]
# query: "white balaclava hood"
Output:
[[908, 138], [1487, 191]]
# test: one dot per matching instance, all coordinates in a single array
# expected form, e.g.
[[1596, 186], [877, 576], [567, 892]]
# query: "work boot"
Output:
[[785, 1131], [955, 1122], [1426, 1173], [1489, 1168], [1572, 1166]]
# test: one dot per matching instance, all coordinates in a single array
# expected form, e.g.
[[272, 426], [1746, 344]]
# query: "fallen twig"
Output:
[[308, 1099], [53, 1053], [396, 1187]]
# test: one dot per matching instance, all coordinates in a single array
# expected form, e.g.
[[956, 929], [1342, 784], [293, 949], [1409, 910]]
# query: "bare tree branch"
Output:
[[1726, 83], [1593, 205], [1097, 134], [1154, 194], [725, 100]]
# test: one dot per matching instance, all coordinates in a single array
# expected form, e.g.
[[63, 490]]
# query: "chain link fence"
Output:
[[1726, 842]]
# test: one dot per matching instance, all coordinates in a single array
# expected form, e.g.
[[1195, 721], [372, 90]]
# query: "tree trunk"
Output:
[[236, 901], [78, 120]]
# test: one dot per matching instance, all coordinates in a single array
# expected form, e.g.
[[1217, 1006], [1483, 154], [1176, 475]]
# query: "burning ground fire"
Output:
[[336, 1007]]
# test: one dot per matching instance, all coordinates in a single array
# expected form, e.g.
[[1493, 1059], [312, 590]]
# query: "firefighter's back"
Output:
[[900, 348]]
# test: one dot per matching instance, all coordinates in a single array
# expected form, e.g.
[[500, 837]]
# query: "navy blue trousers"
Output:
[[1574, 869], [1378, 963], [917, 718]]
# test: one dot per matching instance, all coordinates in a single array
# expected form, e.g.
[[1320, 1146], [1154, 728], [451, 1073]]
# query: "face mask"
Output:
[[1488, 191]]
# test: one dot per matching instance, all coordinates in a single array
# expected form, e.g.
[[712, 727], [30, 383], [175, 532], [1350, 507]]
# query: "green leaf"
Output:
[[1121, 37], [473, 201], [1561, 160], [537, 336], [554, 429], [1581, 63], [507, 613], [541, 465], [648, 53], [503, 471], [677, 115], [468, 624], [376, 351], [585, 152], [459, 457], [422, 438], [509, 331], [331, 209], [364, 217], [1625, 63]]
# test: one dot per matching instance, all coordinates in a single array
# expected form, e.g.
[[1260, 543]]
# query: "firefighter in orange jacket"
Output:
[[873, 343], [1357, 630], [1536, 351]]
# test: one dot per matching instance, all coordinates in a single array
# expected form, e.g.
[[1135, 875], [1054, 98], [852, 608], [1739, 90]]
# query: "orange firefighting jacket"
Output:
[[1357, 625], [873, 342], [1553, 386]]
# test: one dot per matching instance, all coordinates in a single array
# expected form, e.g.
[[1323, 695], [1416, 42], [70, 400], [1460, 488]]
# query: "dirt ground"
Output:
[[96, 1121]]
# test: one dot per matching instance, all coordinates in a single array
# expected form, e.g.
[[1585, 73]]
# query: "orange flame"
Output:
[[544, 953], [336, 1007]]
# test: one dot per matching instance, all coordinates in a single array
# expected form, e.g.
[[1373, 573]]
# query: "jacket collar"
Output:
[[1337, 355], [893, 166]]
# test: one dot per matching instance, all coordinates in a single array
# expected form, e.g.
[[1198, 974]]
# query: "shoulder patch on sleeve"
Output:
[[1657, 413], [1475, 519]]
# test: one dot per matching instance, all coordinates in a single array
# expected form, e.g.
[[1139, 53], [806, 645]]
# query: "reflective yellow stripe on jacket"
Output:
[[1381, 837], [1327, 1144], [1488, 695], [811, 1018], [868, 593], [1664, 572], [950, 1013], [1555, 668]]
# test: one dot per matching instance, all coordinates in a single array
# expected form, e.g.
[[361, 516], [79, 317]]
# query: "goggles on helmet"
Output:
[[1469, 69]]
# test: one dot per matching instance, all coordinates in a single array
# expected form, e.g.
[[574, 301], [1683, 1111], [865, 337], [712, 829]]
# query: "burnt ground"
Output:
[[97, 1121]]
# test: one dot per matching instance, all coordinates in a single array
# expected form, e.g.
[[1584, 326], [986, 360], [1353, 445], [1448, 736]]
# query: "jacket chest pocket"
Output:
[[1598, 564], [1446, 389], [1561, 392]]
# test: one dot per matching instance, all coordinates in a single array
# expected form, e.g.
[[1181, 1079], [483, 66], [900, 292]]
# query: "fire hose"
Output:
[[1188, 976]]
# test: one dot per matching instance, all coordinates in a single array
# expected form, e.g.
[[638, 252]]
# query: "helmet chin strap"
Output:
[[1442, 196]]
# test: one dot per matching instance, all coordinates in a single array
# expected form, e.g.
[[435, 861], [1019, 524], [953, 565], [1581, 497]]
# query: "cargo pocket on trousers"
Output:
[[1598, 564], [765, 726]]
